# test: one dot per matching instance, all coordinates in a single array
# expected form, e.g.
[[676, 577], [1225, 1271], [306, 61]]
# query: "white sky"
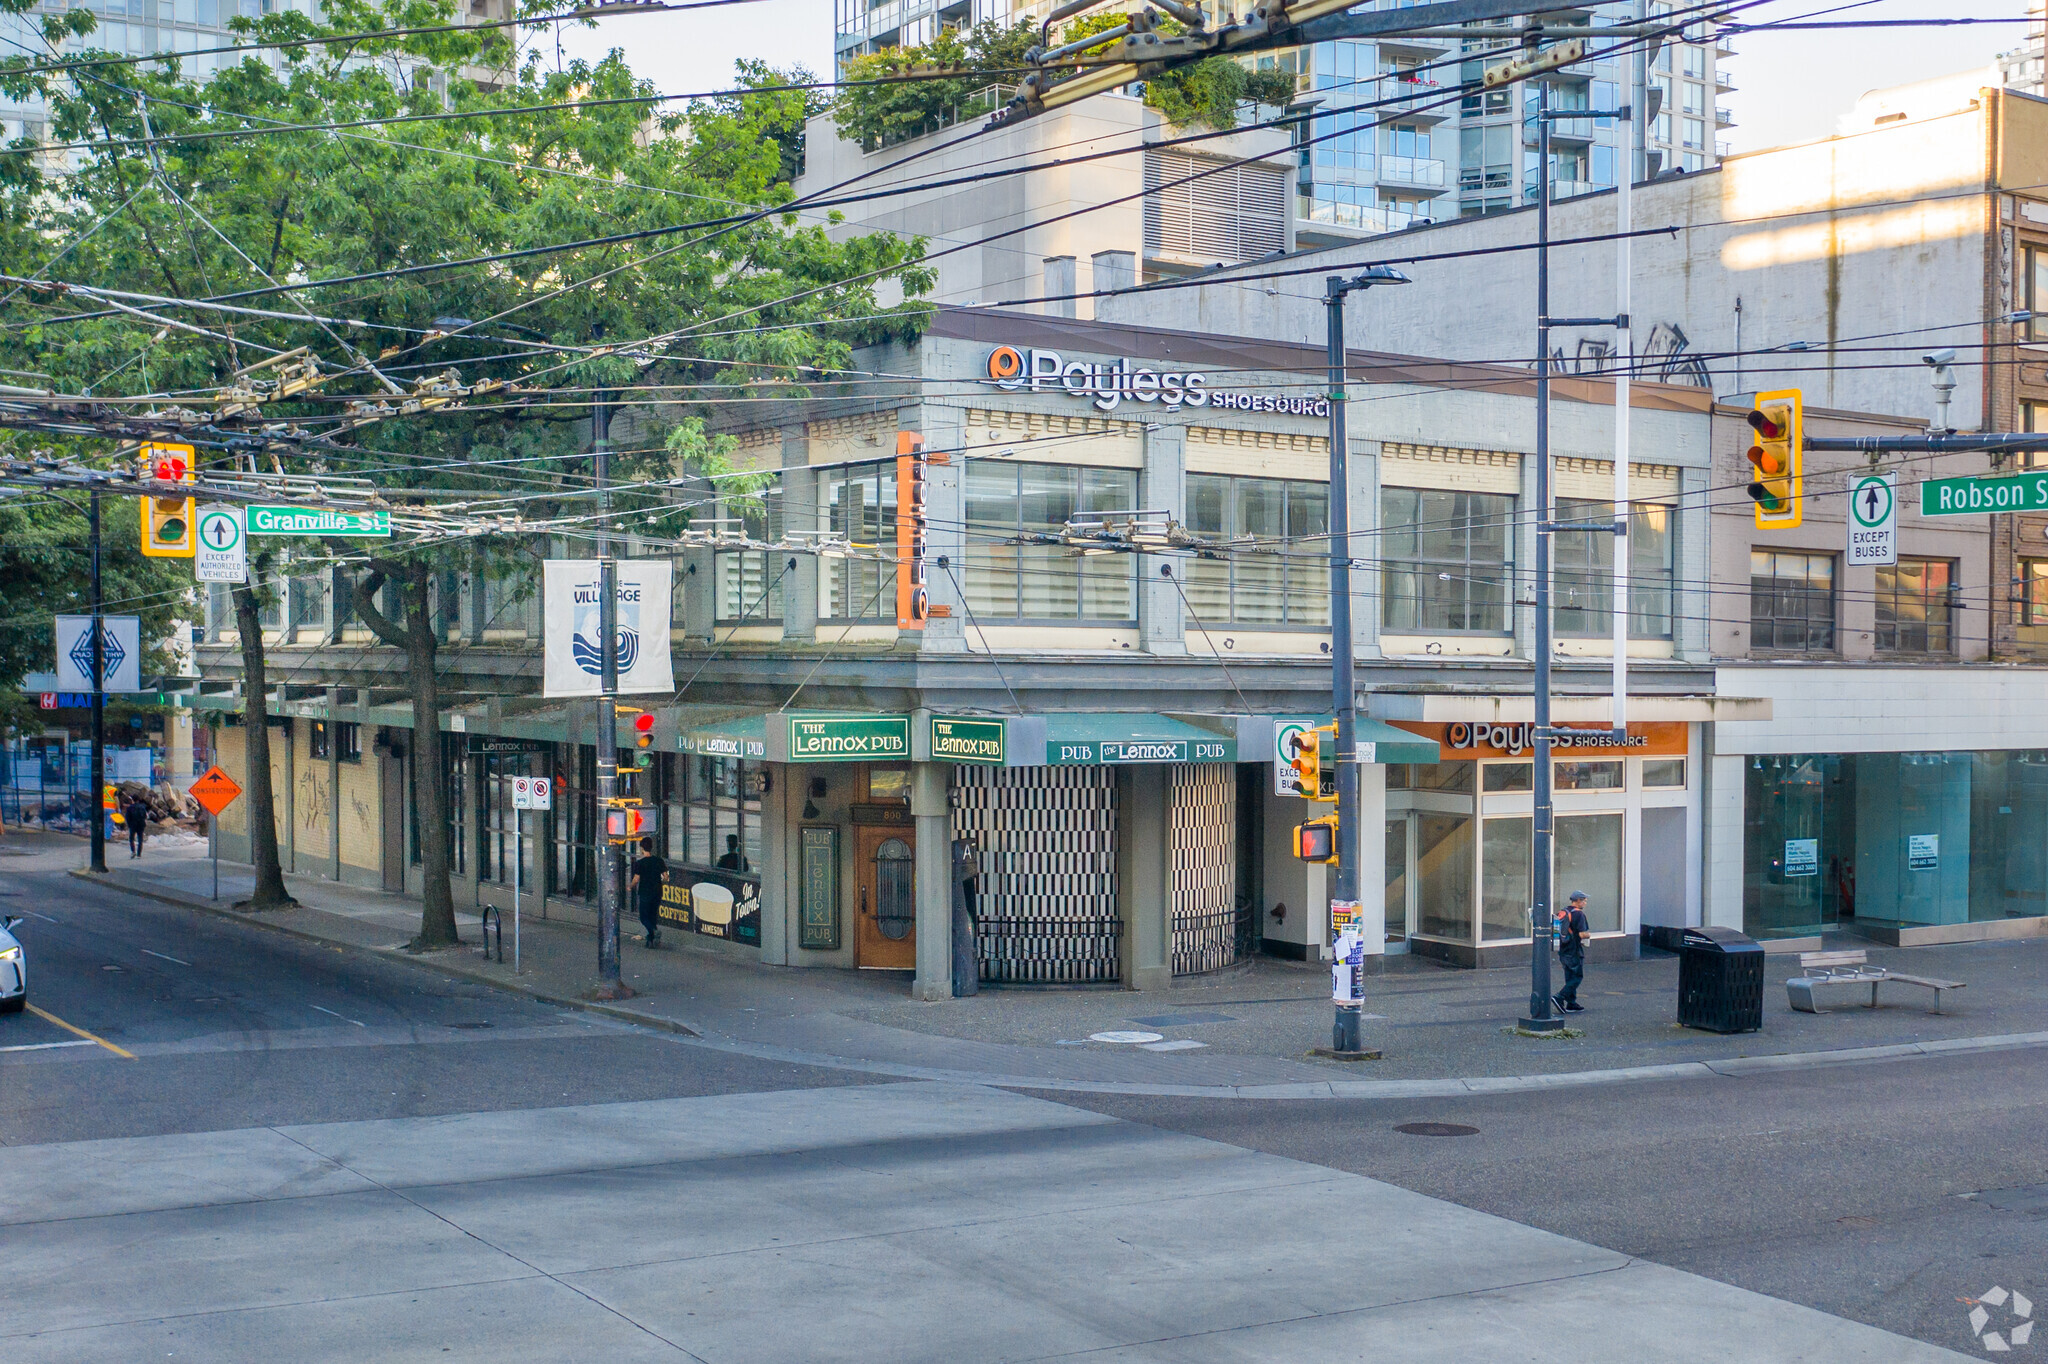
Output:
[[1791, 86]]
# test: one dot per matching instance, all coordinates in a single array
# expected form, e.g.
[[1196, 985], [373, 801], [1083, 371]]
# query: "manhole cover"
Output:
[[1123, 1037], [1437, 1129]]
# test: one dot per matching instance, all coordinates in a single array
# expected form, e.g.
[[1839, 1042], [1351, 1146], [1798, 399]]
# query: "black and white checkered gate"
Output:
[[1047, 840]]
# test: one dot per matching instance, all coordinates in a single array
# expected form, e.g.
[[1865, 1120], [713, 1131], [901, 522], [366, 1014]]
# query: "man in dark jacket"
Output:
[[649, 872], [135, 814], [1572, 932]]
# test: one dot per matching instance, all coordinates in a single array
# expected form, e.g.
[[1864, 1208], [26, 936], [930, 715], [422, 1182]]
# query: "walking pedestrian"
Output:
[[135, 814], [648, 873], [1572, 931]]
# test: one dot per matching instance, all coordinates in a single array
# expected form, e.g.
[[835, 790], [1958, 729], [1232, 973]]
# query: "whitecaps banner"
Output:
[[572, 659]]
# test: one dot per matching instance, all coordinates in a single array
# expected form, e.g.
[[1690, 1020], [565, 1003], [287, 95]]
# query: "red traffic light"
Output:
[[644, 723], [1764, 426]]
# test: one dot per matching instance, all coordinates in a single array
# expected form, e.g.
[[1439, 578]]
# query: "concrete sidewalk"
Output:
[[1244, 1033]]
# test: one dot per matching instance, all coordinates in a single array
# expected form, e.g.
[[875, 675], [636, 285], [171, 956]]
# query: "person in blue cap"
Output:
[[1572, 932]]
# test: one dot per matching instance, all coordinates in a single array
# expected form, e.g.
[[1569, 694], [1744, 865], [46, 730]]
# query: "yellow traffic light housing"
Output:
[[1316, 841], [1775, 451], [1307, 762], [167, 529]]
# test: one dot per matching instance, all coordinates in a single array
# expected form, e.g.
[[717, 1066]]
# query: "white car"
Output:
[[13, 969]]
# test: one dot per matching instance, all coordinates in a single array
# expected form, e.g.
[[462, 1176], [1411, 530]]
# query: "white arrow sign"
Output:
[[221, 554], [1873, 519]]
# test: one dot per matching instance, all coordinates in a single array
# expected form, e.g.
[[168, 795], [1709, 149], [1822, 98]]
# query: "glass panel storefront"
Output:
[[1588, 858], [1893, 839], [1504, 878]]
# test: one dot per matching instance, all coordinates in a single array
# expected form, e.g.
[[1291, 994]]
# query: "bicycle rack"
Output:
[[493, 917]]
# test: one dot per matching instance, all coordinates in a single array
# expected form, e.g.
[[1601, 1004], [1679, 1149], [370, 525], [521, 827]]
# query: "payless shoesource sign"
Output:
[[1107, 383], [1462, 741]]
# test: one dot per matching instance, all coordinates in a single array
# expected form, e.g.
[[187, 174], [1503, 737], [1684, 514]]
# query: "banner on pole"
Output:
[[120, 653], [572, 660]]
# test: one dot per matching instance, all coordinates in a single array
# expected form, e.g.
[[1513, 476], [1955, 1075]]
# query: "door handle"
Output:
[[863, 901]]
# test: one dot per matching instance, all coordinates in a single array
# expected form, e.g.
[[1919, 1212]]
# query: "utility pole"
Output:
[[1345, 1035], [1541, 1017], [609, 986], [95, 805]]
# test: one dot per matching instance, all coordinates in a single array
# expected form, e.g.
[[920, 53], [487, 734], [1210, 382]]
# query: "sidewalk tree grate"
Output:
[[1436, 1129]]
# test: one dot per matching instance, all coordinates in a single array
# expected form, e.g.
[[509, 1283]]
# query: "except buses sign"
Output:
[[1975, 496]]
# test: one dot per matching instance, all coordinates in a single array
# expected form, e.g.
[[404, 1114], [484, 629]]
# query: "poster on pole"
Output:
[[222, 555], [572, 656], [120, 653]]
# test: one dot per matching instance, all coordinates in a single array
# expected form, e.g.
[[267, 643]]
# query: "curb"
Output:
[[1733, 1068], [446, 968]]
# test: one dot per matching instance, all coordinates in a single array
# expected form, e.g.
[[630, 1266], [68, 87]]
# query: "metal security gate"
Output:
[[1046, 911], [1201, 807]]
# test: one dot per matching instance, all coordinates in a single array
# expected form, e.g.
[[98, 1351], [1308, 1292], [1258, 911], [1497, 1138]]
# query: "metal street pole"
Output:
[[99, 702], [609, 986], [1345, 1034], [1542, 1017]]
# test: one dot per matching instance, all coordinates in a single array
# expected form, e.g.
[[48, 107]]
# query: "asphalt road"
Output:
[[1890, 1194], [232, 1028]]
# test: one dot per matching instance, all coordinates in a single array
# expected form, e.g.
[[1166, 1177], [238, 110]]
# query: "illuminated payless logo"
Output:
[[1108, 383], [913, 602]]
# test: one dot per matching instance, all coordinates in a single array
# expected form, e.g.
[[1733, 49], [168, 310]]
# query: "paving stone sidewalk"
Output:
[[1247, 1030]]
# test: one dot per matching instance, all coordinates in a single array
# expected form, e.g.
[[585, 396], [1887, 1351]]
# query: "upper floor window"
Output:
[[2033, 417], [2035, 291], [1585, 569], [750, 581], [1283, 576], [860, 505], [1915, 607], [1791, 602], [1447, 560], [1010, 581]]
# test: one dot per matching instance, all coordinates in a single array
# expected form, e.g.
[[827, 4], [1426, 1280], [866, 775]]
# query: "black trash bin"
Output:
[[1720, 981]]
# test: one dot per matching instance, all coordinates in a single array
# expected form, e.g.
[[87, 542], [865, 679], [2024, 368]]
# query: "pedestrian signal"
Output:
[[1775, 454], [1316, 841]]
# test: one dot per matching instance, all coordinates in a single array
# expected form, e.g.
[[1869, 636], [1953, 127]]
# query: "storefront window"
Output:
[[1397, 879], [1791, 602], [1287, 586], [1448, 561], [572, 866], [1504, 878], [713, 812], [2032, 590], [1663, 774], [1510, 777], [860, 506], [1587, 857], [1913, 606], [1585, 570], [1588, 776], [1009, 581], [1443, 860], [750, 581]]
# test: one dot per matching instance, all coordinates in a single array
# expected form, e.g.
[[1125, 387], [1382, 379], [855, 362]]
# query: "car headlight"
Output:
[[10, 954]]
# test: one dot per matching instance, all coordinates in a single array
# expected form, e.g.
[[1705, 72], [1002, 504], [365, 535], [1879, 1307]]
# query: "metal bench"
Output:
[[1853, 968]]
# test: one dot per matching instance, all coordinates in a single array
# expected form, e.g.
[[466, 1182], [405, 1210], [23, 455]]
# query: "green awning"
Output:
[[740, 736], [1085, 739]]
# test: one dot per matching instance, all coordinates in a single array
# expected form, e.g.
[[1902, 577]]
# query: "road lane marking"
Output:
[[46, 1046], [343, 1017], [146, 952], [69, 1027], [44, 917]]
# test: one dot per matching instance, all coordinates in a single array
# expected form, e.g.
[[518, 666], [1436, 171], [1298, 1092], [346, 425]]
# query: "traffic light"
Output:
[[1307, 762], [1775, 453], [643, 730], [167, 531], [1316, 841], [913, 602], [624, 823]]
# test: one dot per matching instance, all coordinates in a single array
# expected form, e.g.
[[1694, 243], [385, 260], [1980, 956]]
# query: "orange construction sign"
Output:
[[216, 790]]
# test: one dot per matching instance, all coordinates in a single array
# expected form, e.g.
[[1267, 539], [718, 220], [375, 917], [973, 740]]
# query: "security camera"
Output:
[[1938, 358]]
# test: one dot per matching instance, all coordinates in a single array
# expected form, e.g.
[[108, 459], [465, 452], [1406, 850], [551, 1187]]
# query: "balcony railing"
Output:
[[1411, 170], [1366, 218], [1724, 118]]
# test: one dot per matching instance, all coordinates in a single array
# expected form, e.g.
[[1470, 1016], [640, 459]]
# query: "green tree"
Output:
[[732, 291]]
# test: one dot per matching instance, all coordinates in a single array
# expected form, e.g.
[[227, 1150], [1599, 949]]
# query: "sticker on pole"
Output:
[[222, 555], [1873, 520], [216, 790]]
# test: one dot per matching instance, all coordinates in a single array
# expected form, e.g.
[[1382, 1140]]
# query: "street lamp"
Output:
[[1344, 1033]]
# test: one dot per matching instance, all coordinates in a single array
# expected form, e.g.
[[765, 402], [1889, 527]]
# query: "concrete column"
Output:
[[1371, 846], [1059, 279], [1366, 606], [1721, 839], [945, 492], [934, 895], [799, 514], [1143, 877], [1691, 603], [1524, 589], [777, 883], [1162, 486], [1115, 269], [698, 582]]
